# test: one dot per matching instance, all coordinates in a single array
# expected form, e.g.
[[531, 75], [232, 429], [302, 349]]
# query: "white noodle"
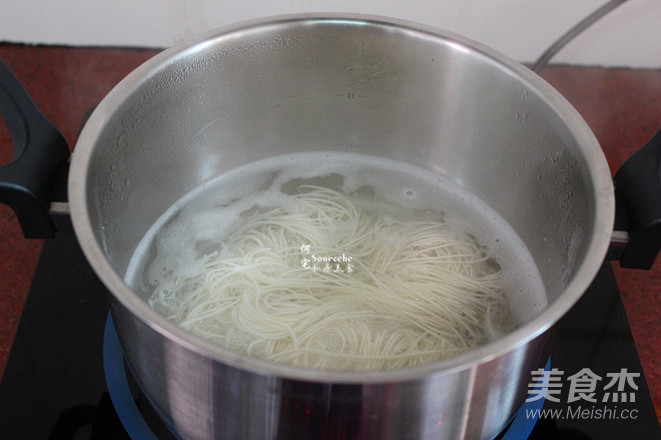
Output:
[[416, 292]]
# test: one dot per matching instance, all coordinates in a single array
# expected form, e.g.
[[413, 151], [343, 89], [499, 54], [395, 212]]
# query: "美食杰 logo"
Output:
[[587, 394]]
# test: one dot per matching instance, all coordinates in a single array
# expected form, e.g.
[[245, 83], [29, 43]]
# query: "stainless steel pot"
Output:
[[376, 86]]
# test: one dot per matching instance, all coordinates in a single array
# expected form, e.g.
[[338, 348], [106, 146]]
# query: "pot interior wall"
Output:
[[369, 88]]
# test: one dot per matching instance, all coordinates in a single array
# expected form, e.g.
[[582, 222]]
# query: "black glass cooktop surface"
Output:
[[54, 386]]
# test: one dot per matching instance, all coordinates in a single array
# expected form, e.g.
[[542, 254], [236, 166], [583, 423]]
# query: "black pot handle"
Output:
[[40, 156], [638, 208]]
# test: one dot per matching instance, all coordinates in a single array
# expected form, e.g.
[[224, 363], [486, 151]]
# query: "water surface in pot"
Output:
[[194, 231]]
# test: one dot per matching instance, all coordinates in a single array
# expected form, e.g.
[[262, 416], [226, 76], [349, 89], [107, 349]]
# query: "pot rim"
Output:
[[594, 161]]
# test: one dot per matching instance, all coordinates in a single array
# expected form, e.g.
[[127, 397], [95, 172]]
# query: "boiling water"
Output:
[[178, 244]]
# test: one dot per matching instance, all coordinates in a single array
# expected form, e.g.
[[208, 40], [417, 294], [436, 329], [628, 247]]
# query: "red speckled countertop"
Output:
[[622, 106]]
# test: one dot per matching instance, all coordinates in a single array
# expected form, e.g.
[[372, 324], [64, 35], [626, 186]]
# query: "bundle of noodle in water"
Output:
[[324, 282]]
